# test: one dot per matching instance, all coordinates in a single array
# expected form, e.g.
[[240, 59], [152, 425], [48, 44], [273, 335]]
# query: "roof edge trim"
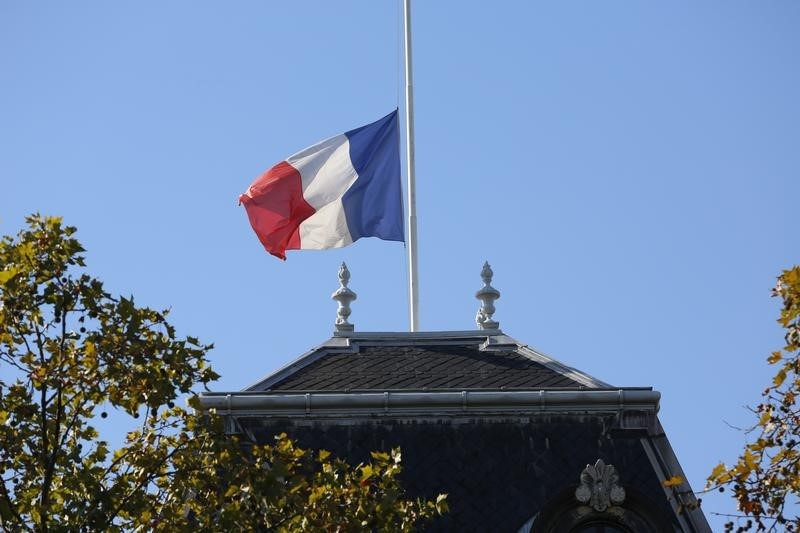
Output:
[[565, 370], [335, 343], [465, 401]]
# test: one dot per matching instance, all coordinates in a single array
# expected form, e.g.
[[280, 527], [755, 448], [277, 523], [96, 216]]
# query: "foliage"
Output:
[[324, 494], [69, 350], [766, 477]]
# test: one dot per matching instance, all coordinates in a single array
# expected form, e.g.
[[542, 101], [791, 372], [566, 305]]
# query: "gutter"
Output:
[[424, 402]]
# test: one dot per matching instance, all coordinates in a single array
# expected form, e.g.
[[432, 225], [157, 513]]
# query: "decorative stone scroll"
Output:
[[487, 295], [600, 486], [343, 296]]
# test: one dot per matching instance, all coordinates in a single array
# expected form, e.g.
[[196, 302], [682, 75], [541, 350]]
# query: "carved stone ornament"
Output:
[[344, 296], [487, 295], [600, 486]]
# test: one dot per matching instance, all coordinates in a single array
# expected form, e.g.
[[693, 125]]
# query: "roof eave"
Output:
[[439, 402]]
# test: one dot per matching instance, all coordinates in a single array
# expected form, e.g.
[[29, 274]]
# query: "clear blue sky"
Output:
[[630, 169]]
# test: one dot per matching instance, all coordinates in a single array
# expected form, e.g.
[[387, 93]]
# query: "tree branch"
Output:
[[7, 498], [112, 515]]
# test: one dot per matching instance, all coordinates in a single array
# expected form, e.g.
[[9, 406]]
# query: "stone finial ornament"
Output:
[[344, 296], [600, 487], [487, 295]]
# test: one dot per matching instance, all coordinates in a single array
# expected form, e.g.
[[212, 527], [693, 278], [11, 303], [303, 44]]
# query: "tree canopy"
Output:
[[70, 351], [765, 479]]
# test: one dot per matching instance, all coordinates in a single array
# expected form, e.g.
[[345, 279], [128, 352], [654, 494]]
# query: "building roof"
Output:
[[471, 360], [501, 427]]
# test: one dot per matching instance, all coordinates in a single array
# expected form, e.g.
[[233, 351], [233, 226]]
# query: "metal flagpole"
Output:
[[413, 288]]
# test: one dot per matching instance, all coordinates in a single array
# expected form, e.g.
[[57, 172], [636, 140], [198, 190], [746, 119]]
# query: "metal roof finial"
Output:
[[487, 295], [344, 296]]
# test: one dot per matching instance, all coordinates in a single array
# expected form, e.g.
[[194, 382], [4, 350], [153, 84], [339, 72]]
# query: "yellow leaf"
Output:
[[673, 481], [779, 377], [6, 275], [791, 276], [778, 456], [380, 456], [366, 472], [316, 494], [719, 474], [749, 460], [233, 489], [774, 358], [38, 375]]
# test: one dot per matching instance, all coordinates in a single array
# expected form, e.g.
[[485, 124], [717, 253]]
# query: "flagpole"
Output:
[[413, 285]]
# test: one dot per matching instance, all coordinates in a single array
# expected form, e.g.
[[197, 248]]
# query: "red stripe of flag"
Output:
[[276, 207]]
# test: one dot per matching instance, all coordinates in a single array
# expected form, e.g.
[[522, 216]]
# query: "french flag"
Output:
[[331, 194]]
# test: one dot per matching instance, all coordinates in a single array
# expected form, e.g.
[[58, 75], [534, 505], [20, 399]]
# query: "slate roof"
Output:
[[512, 443], [399, 361]]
